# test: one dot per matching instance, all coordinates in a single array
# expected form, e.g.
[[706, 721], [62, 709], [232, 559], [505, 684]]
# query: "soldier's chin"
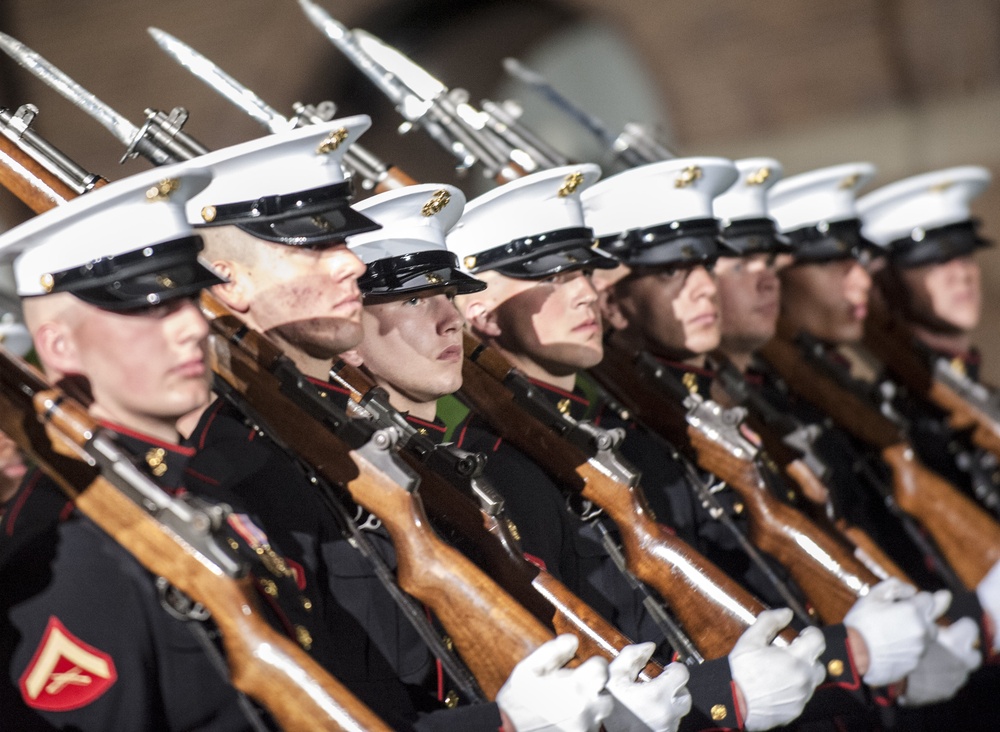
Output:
[[321, 337]]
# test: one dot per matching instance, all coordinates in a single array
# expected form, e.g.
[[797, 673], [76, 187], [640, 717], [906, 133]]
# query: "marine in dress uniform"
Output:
[[276, 219], [931, 280], [87, 641], [530, 241]]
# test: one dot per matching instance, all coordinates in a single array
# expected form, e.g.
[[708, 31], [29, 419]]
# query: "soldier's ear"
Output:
[[57, 348], [234, 293], [611, 310], [352, 358], [482, 319]]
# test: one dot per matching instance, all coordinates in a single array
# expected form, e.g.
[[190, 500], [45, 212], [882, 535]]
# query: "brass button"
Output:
[[451, 699], [306, 602], [448, 642], [738, 508], [835, 667], [154, 459], [304, 638], [719, 712], [422, 431], [563, 406], [269, 587], [233, 545]]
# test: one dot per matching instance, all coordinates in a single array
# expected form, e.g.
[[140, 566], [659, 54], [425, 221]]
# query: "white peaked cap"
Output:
[[747, 197], [289, 187], [132, 215], [413, 219], [920, 203], [824, 195], [681, 189]]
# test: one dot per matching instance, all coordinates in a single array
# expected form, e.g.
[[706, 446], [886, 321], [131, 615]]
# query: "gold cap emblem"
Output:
[[688, 176], [758, 177], [433, 279], [437, 202], [208, 214], [941, 187], [47, 282], [332, 141], [570, 183], [162, 190], [850, 181]]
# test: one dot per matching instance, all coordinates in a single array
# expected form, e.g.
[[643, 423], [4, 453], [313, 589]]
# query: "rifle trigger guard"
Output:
[[179, 605]]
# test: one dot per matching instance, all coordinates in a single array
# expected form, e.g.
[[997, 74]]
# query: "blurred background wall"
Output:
[[910, 85]]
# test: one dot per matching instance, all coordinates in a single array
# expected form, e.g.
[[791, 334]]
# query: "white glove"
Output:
[[642, 706], [776, 682], [541, 695], [896, 623], [988, 592], [946, 665]]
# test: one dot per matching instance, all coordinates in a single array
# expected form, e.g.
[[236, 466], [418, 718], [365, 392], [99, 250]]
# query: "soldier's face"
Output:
[[749, 292], [412, 345], [673, 312], [551, 326], [145, 368], [828, 300], [307, 298], [947, 294], [12, 467]]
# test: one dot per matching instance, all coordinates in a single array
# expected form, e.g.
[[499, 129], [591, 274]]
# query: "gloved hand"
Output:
[[946, 665], [640, 706], [988, 592], [540, 695], [776, 681], [896, 623]]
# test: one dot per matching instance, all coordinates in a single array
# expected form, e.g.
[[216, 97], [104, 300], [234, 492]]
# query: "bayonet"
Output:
[[222, 82], [159, 140]]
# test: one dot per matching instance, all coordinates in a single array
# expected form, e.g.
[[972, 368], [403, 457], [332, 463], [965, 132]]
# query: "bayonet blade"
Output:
[[118, 125], [398, 64], [222, 82]]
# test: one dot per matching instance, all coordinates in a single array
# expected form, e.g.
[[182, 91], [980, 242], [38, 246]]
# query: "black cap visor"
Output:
[[312, 218], [937, 246], [829, 242], [678, 243], [755, 236], [140, 279], [417, 272], [543, 255]]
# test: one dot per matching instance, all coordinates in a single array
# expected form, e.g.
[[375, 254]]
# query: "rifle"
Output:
[[170, 539], [966, 535], [831, 578], [467, 512], [927, 376], [496, 142], [790, 444], [177, 539], [375, 175], [711, 607], [491, 631]]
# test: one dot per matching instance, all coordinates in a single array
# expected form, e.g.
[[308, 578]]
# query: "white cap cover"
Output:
[[824, 195], [125, 245]]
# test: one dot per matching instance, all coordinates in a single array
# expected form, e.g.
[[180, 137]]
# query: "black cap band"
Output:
[[543, 255], [415, 272], [696, 241], [306, 218], [141, 278], [936, 246], [828, 242], [755, 236]]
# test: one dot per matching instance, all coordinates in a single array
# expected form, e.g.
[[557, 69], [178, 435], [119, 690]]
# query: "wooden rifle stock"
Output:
[[831, 578], [773, 428], [485, 537], [263, 663], [967, 536], [394, 179], [891, 341], [27, 179], [491, 631], [711, 607]]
